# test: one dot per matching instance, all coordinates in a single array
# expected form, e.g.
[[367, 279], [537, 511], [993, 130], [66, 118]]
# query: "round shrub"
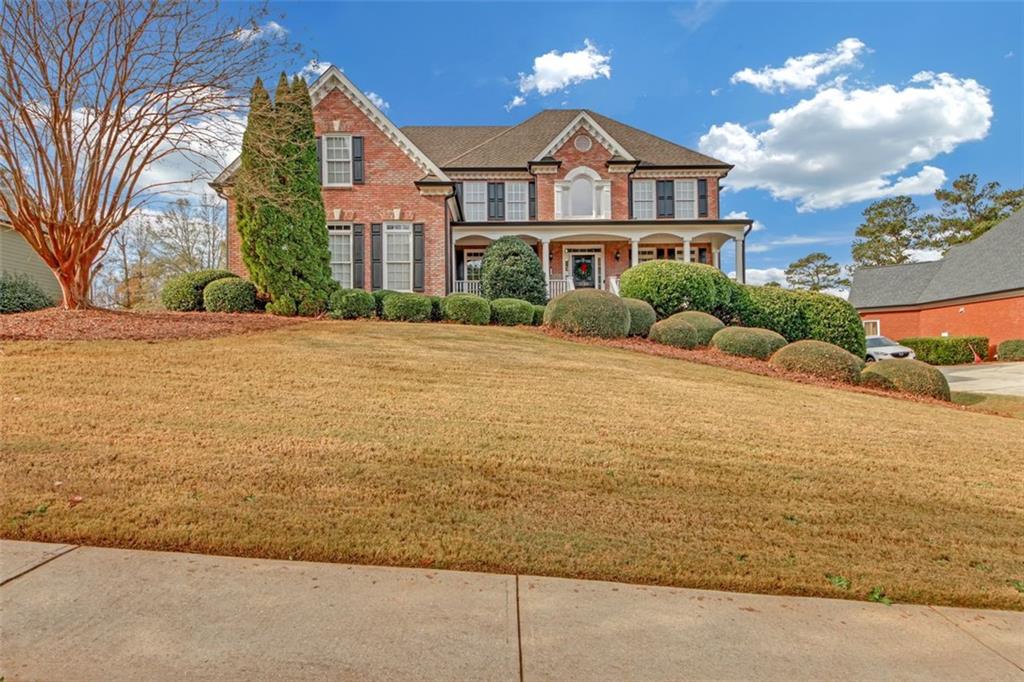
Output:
[[749, 342], [351, 304], [378, 299], [312, 304], [19, 294], [283, 306], [511, 269], [833, 320], [588, 312], [641, 316], [230, 295], [909, 376], [706, 325], [510, 312], [1010, 350], [671, 286], [407, 307], [538, 315], [775, 308], [820, 359], [675, 331], [466, 309], [184, 293]]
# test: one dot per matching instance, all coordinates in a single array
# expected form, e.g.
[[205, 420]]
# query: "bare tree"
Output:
[[93, 93], [133, 251]]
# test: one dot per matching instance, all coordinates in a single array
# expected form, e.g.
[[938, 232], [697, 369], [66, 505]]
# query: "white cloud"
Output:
[[742, 215], [269, 30], [697, 14], [842, 146], [517, 101], [715, 92], [378, 101], [800, 73], [555, 71], [923, 255], [798, 240], [758, 277], [1008, 55], [313, 70]]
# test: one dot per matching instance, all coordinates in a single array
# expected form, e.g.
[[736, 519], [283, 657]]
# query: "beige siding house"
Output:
[[18, 258]]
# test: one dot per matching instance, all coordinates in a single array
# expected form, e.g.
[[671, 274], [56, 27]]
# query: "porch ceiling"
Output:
[[605, 230]]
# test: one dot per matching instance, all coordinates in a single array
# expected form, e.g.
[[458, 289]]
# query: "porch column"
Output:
[[545, 259], [714, 258], [686, 250], [455, 265], [634, 252], [741, 265]]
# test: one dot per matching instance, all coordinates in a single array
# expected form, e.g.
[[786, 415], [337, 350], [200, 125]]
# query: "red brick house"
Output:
[[413, 208], [976, 289]]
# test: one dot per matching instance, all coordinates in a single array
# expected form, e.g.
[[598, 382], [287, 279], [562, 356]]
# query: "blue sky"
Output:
[[851, 111]]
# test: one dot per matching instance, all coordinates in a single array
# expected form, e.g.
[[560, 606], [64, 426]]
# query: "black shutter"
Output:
[[417, 257], [702, 198], [320, 159], [495, 200], [666, 199], [629, 199], [533, 200], [358, 173], [357, 256], [458, 199], [376, 251]]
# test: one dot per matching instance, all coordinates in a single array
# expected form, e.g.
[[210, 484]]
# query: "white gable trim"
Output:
[[585, 121], [334, 79]]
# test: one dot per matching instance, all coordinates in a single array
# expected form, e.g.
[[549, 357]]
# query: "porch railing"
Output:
[[613, 284], [467, 286], [559, 286]]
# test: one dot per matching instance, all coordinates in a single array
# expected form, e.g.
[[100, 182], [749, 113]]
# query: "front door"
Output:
[[583, 275]]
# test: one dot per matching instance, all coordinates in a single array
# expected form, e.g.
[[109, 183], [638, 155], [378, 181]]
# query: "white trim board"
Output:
[[585, 121]]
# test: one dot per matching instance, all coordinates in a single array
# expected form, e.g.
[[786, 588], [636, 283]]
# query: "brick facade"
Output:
[[998, 319]]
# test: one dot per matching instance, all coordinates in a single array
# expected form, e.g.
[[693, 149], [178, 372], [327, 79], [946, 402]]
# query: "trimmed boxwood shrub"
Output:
[[435, 309], [351, 304], [820, 359], [283, 306], [511, 269], [588, 312], [833, 320], [184, 293], [466, 309], [947, 350], [312, 305], [675, 331], [671, 286], [538, 315], [510, 312], [909, 376], [378, 298], [1010, 350], [641, 316], [19, 294], [777, 309], [749, 342], [407, 307], [706, 325], [230, 295]]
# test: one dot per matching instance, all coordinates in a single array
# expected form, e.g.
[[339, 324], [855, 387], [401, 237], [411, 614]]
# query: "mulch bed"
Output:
[[55, 324]]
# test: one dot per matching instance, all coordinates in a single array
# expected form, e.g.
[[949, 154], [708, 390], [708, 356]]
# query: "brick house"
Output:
[[413, 208], [976, 289]]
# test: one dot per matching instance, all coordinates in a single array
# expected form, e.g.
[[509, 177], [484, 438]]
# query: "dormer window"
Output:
[[582, 195]]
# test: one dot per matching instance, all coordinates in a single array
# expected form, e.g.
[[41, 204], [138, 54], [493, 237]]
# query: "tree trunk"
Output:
[[75, 284]]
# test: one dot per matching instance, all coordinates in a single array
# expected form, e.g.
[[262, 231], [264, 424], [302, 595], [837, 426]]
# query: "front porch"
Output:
[[593, 256]]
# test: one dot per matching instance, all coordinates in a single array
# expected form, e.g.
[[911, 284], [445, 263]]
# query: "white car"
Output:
[[882, 348]]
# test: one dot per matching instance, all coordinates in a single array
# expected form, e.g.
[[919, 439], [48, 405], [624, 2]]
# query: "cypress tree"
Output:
[[253, 186]]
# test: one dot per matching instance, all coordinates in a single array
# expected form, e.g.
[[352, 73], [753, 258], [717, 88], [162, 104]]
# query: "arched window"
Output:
[[582, 194], [581, 197]]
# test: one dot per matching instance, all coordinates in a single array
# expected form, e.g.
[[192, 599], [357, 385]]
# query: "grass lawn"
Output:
[[506, 450], [1006, 405]]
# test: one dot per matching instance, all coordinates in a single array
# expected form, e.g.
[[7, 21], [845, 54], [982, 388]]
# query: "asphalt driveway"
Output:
[[1004, 378]]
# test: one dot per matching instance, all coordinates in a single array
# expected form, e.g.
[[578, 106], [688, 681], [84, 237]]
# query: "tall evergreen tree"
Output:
[[815, 272], [890, 229], [968, 211]]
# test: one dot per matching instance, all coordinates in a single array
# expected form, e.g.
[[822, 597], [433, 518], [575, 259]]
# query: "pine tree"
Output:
[[815, 272], [891, 228], [253, 184]]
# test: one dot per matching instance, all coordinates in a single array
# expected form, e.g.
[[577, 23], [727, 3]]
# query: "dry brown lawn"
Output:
[[507, 450]]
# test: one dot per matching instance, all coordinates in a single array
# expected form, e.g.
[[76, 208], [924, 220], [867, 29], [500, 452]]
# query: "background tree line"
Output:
[[894, 230]]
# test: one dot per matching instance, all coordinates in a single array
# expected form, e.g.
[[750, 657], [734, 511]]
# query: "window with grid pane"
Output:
[[337, 151], [339, 241], [398, 256], [686, 199], [474, 197], [517, 201], [643, 199]]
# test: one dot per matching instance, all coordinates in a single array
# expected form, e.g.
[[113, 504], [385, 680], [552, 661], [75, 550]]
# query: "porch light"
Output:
[[617, 255]]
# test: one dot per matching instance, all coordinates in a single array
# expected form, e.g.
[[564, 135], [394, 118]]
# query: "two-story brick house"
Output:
[[414, 208]]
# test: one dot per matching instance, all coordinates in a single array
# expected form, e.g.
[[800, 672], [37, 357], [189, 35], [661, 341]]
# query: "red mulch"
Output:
[[716, 358], [55, 324]]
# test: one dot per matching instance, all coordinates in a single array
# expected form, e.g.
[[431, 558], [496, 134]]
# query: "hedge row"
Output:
[[184, 293], [1010, 350], [947, 350]]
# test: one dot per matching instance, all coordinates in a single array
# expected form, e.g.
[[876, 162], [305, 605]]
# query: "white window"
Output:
[[872, 328], [337, 153], [474, 199], [473, 262], [339, 240], [647, 254], [686, 199], [643, 199], [517, 201], [398, 256], [581, 198]]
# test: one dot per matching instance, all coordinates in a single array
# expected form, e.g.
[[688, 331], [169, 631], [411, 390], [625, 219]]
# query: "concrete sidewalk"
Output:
[[1001, 378], [105, 614]]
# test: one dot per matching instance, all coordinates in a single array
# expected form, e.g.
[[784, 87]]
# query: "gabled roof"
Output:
[[992, 263], [515, 146]]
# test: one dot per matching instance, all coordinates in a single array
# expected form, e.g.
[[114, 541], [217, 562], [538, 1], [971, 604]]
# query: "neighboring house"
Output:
[[976, 289], [18, 258], [412, 209]]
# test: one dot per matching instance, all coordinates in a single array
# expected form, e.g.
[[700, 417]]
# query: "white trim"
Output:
[[334, 79], [384, 252], [878, 327], [466, 203], [584, 120], [525, 203], [570, 250], [342, 229], [601, 200], [324, 160]]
